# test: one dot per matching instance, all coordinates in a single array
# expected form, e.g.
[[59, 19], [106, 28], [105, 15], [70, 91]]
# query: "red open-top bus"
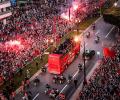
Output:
[[59, 60]]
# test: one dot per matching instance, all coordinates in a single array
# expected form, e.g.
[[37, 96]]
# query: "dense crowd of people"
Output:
[[105, 83], [34, 26]]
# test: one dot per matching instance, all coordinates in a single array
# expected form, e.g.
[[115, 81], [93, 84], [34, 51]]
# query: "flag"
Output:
[[108, 52]]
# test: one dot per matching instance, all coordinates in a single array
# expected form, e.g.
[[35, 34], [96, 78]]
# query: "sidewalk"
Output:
[[75, 96]]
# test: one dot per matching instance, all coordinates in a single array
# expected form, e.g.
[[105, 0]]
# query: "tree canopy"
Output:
[[112, 16]]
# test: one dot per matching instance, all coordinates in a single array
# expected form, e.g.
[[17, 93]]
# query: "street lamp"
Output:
[[69, 12], [115, 4], [51, 40], [76, 38], [84, 81], [98, 53]]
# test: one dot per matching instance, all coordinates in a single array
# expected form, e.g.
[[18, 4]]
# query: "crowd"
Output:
[[105, 83], [34, 26]]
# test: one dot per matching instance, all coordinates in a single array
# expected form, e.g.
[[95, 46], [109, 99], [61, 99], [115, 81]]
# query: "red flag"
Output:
[[106, 52], [109, 53]]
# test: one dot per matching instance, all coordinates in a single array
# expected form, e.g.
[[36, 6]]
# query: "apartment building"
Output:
[[5, 10]]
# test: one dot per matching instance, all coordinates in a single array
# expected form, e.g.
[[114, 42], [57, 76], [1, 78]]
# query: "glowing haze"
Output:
[[70, 11]]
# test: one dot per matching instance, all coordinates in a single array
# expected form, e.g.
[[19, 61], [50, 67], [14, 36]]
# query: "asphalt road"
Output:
[[107, 36]]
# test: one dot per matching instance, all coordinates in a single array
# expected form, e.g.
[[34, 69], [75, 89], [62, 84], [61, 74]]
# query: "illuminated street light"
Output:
[[98, 53], [115, 4], [51, 40], [84, 81], [47, 40], [75, 7], [76, 38]]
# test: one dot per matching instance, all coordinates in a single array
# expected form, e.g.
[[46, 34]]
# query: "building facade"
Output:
[[5, 10]]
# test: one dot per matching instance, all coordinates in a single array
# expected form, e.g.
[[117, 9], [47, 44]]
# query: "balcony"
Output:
[[5, 4]]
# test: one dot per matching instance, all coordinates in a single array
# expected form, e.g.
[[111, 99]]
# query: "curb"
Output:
[[76, 94], [31, 79]]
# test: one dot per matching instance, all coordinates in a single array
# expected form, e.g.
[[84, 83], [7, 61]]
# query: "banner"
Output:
[[13, 2]]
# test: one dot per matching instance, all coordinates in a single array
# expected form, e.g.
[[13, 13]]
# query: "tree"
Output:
[[112, 16]]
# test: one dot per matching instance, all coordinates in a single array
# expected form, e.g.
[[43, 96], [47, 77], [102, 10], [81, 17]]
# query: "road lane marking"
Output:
[[109, 31], [75, 74], [97, 33], [63, 88], [36, 96]]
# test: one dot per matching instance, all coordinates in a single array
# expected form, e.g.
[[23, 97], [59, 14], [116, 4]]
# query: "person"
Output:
[[25, 97], [55, 78], [36, 81], [75, 83], [13, 95], [69, 78], [97, 39], [61, 78], [28, 83], [43, 69], [97, 36], [93, 26], [88, 34], [80, 67], [48, 86]]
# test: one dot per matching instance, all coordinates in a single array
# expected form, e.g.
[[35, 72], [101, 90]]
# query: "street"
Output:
[[106, 33]]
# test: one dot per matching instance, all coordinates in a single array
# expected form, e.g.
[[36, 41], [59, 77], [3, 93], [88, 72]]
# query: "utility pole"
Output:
[[69, 12], [84, 81]]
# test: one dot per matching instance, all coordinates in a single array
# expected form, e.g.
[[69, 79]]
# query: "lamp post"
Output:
[[84, 81], [84, 68], [115, 4], [69, 12], [98, 53]]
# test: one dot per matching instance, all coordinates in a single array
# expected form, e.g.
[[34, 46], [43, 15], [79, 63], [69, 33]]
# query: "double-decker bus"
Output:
[[62, 56]]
